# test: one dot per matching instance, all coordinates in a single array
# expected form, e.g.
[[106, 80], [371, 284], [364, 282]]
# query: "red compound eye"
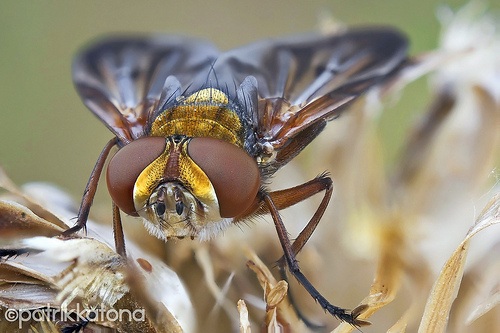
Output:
[[127, 165], [233, 173]]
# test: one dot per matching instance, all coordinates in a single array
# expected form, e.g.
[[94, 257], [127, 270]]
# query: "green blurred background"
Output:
[[47, 134]]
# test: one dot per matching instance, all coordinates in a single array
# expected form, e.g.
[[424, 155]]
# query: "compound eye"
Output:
[[127, 165], [233, 173]]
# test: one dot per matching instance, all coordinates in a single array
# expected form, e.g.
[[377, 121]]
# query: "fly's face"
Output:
[[171, 210], [183, 185]]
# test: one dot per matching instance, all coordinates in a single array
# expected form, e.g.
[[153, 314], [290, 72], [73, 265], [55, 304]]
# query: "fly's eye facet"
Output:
[[127, 165], [233, 173]]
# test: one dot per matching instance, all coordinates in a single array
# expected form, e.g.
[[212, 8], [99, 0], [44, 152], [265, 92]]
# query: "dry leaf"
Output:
[[446, 287]]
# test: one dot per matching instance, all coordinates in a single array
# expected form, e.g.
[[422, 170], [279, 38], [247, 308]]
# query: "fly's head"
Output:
[[183, 186]]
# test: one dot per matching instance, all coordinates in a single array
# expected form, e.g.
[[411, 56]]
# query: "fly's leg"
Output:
[[118, 232], [88, 197], [275, 201], [89, 193]]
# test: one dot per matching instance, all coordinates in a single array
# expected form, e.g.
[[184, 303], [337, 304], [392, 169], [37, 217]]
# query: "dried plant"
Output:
[[397, 226]]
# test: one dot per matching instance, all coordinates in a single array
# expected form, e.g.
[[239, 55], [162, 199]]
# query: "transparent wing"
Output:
[[304, 81], [289, 87], [123, 79]]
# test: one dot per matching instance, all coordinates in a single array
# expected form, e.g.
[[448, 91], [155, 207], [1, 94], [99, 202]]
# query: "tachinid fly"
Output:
[[200, 131]]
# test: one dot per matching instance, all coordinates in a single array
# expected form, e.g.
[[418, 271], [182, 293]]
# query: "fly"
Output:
[[200, 132]]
